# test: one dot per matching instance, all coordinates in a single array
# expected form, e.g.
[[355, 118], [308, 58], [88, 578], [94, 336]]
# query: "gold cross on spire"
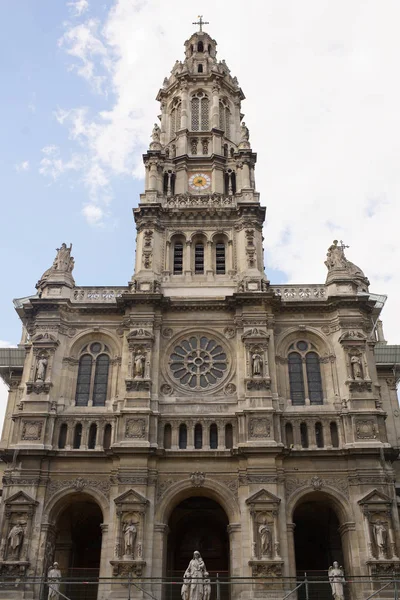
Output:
[[200, 22]]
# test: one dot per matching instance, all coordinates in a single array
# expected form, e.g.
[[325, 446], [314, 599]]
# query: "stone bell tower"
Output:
[[199, 220]]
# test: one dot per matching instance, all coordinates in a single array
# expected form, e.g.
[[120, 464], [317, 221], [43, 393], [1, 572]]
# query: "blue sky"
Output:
[[79, 84]]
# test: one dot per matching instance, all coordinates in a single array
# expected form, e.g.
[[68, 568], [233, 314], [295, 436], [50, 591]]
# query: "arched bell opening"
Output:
[[78, 544], [197, 523]]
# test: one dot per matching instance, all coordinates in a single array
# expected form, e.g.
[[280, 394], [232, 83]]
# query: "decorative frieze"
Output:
[[135, 428]]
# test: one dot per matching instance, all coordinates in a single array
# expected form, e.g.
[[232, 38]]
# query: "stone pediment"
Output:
[[255, 333], [352, 336], [263, 497], [20, 498], [131, 500], [376, 498], [140, 334]]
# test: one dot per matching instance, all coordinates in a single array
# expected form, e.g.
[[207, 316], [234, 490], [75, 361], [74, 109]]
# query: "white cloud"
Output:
[[93, 214], [53, 166], [322, 108], [78, 7], [22, 166]]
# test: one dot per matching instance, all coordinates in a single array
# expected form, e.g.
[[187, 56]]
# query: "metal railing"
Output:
[[223, 587]]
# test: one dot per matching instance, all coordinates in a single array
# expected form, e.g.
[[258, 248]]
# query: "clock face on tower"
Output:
[[199, 182]]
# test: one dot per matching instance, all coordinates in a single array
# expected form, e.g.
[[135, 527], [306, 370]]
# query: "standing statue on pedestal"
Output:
[[256, 364], [155, 135], [15, 539], [139, 363], [244, 132], [63, 263], [264, 532], [356, 367], [380, 535], [130, 533], [193, 579], [53, 581], [336, 579], [41, 368]]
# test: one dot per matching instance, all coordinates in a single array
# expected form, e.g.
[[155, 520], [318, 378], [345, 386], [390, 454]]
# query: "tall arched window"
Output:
[[319, 435], [198, 437], [304, 435], [92, 436], [200, 112], [107, 437], [304, 374], [178, 258], [199, 258], [289, 434], [62, 436], [213, 436], [200, 47], [200, 68], [77, 436], [182, 436], [334, 434], [228, 436], [220, 258], [92, 382], [175, 118], [167, 436], [314, 380], [225, 118], [296, 380]]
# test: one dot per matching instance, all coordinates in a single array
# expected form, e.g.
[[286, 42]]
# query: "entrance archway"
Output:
[[78, 544], [317, 539], [197, 523]]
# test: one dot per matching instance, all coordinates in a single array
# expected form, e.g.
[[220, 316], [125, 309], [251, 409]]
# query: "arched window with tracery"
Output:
[[304, 374], [175, 117], [93, 371], [200, 107]]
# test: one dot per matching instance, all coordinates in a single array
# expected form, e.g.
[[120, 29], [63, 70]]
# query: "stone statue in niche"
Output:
[[256, 364], [41, 368], [265, 539], [193, 579], [244, 132], [53, 581], [155, 135], [380, 536], [15, 539], [336, 579], [356, 367], [130, 533], [139, 362]]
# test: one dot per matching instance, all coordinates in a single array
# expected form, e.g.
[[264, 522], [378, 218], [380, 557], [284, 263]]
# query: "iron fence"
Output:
[[304, 587]]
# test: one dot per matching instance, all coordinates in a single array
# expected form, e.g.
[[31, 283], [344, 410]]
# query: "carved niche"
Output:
[[255, 342], [354, 346], [44, 346], [16, 532], [379, 529], [128, 556], [264, 512], [140, 343]]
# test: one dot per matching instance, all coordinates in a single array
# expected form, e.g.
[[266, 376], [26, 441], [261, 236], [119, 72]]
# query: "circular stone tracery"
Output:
[[198, 362]]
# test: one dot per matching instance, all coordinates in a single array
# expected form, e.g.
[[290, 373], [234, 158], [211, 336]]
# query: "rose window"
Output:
[[198, 362]]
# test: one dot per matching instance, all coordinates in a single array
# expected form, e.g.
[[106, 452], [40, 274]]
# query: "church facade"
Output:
[[200, 407]]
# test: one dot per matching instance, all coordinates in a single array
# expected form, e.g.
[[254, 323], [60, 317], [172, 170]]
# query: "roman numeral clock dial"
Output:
[[199, 182]]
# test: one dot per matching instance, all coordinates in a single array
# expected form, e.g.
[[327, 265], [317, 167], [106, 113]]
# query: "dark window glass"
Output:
[[213, 437], [304, 435], [182, 437], [314, 380], [200, 47], [199, 68], [167, 436], [220, 258], [178, 259], [83, 384], [77, 436], [107, 437], [228, 436], [92, 436], [62, 437], [198, 437], [296, 380], [199, 258], [289, 434], [101, 380], [319, 435], [334, 435], [302, 346]]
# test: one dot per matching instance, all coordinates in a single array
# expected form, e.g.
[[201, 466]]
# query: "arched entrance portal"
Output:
[[78, 544], [197, 523]]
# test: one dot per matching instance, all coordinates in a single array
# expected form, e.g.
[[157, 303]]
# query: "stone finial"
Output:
[[339, 268], [60, 271]]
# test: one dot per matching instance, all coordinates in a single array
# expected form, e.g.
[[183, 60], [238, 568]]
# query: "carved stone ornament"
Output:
[[266, 569], [38, 387], [130, 507], [366, 429], [264, 509], [78, 484], [16, 529], [377, 510], [135, 428], [197, 478], [31, 430], [259, 428], [137, 385]]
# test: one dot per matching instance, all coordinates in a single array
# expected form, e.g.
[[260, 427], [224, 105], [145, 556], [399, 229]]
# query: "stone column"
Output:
[[290, 527], [229, 258], [209, 263], [221, 437], [105, 555], [185, 106], [215, 107], [190, 435], [174, 436], [245, 174], [153, 176], [235, 546], [187, 258], [159, 566]]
